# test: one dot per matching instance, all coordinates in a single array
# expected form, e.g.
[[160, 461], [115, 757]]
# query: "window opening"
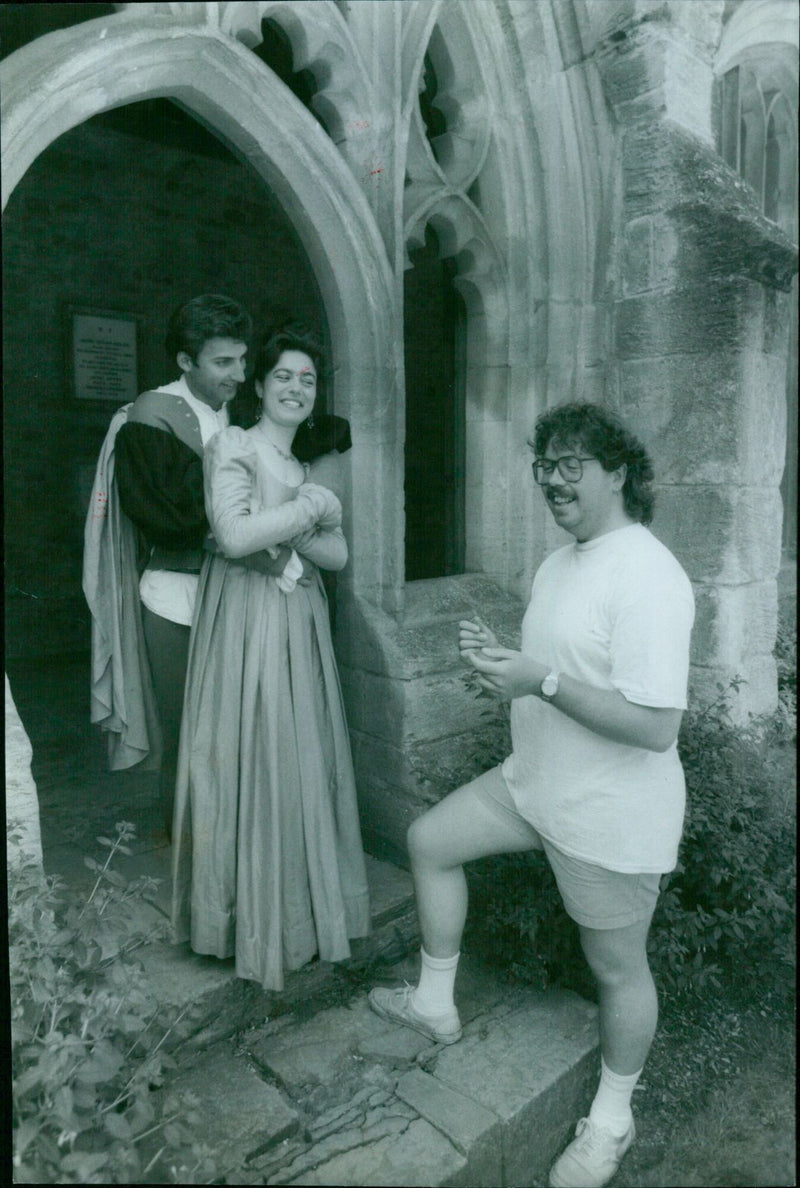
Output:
[[435, 336]]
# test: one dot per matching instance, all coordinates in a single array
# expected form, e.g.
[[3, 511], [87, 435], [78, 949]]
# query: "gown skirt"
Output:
[[268, 864]]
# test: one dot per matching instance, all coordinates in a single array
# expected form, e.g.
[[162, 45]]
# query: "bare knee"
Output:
[[617, 962], [426, 846]]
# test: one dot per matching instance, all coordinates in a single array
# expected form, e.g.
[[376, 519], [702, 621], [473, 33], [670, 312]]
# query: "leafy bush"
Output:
[[88, 1037], [730, 894], [786, 662], [733, 888]]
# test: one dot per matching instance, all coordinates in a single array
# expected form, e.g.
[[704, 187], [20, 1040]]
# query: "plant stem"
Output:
[[157, 1156], [159, 1125]]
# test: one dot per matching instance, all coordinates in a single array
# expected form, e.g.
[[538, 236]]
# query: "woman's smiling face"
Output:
[[288, 391]]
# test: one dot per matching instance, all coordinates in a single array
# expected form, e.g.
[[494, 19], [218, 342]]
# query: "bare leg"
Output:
[[628, 1000], [457, 830]]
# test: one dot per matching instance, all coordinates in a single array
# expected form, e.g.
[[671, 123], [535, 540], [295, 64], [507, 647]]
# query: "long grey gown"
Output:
[[267, 857]]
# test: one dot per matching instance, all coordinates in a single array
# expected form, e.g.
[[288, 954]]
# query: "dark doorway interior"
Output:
[[134, 211], [434, 449]]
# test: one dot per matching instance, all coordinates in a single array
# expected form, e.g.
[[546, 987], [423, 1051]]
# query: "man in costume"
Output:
[[145, 535]]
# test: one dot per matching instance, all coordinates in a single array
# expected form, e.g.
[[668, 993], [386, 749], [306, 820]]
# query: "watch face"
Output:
[[550, 685]]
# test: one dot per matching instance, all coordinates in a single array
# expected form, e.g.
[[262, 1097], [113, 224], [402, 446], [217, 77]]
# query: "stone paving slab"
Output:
[[416, 1156], [242, 1116], [461, 1118], [384, 1105]]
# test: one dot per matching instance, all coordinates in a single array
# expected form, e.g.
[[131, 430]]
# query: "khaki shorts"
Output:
[[593, 896]]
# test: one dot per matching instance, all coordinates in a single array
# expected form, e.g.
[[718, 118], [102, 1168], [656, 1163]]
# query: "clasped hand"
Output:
[[326, 505], [502, 671]]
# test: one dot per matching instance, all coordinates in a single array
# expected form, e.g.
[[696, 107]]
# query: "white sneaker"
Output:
[[592, 1158], [397, 1007]]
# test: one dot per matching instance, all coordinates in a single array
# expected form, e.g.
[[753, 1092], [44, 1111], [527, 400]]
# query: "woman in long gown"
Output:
[[267, 859]]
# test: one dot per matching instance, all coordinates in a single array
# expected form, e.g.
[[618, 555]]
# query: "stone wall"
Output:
[[116, 222], [701, 338]]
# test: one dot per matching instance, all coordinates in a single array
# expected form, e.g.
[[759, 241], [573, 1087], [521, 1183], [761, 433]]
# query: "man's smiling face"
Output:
[[587, 506], [214, 376]]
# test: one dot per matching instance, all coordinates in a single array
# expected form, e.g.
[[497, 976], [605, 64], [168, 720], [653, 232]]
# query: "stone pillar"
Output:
[[22, 803], [701, 339]]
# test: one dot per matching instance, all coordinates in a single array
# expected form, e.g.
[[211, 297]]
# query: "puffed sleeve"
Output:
[[230, 478]]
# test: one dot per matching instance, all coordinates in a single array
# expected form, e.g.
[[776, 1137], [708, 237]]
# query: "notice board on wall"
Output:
[[103, 355]]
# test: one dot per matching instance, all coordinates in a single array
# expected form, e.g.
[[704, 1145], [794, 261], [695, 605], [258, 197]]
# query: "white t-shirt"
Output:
[[165, 592], [615, 612]]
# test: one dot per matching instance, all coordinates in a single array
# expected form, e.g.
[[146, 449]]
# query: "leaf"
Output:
[[118, 1126], [103, 1064], [84, 1163], [31, 1078], [174, 1134], [63, 1102], [24, 1134], [92, 863]]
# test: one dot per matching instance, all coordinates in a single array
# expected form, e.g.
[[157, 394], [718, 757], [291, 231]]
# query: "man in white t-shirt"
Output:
[[594, 778]]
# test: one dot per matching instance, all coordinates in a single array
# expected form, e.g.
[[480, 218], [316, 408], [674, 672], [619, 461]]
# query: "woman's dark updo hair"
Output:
[[290, 335], [591, 429]]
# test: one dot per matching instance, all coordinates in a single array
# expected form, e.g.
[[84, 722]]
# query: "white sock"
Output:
[[434, 992], [611, 1107]]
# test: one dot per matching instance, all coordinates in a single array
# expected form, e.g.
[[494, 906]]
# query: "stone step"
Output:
[[344, 1098], [223, 1004]]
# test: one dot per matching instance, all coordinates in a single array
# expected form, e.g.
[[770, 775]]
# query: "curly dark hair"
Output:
[[289, 335], [596, 430], [211, 315]]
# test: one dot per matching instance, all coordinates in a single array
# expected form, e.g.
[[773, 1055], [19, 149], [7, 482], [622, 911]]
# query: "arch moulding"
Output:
[[66, 77]]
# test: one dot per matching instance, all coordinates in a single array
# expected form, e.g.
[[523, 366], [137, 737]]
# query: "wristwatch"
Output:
[[549, 686]]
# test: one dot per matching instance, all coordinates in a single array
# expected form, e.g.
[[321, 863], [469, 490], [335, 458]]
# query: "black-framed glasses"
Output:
[[569, 466]]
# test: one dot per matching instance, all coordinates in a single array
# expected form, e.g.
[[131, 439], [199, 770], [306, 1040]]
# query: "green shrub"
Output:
[[726, 909], [88, 1037], [786, 662]]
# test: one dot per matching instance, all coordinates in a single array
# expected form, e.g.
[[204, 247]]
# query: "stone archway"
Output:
[[65, 77]]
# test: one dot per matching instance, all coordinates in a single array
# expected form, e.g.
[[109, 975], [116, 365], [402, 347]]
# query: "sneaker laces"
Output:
[[593, 1139]]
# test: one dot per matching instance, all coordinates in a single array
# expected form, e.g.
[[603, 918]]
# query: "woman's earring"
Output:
[[310, 420]]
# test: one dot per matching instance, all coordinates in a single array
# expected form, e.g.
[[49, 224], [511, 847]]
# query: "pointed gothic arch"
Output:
[[65, 77]]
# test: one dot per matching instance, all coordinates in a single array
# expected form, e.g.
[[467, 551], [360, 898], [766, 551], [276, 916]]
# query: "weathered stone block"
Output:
[[22, 802], [758, 696], [416, 1155], [704, 636], [386, 813], [475, 1132], [379, 757], [746, 623], [242, 1116], [437, 706], [651, 255], [731, 535], [681, 322], [717, 417], [535, 1068]]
